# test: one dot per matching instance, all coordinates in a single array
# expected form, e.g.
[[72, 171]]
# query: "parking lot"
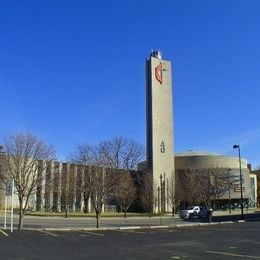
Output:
[[218, 241]]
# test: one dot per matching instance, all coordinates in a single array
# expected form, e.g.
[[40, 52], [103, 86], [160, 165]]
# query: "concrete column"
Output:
[[33, 196], [104, 176], [55, 185], [47, 185], [159, 124], [89, 205], [159, 200], [2, 196], [65, 182], [43, 185], [82, 203], [59, 173], [169, 202], [73, 182], [38, 189], [51, 184], [82, 181]]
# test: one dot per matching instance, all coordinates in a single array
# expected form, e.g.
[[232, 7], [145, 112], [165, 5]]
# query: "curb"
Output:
[[133, 227], [130, 227], [60, 229]]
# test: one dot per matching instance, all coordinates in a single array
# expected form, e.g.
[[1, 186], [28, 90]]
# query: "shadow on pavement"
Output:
[[230, 217], [247, 217]]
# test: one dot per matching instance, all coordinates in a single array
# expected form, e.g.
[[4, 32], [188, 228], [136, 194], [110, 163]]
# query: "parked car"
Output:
[[193, 212]]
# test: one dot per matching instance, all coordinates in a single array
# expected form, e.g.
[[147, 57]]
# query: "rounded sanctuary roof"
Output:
[[199, 159], [196, 153]]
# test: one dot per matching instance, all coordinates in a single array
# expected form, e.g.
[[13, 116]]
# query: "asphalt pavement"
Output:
[[227, 241]]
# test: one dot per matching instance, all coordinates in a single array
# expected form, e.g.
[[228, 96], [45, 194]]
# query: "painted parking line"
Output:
[[88, 232], [131, 231], [4, 233], [49, 233], [93, 233], [231, 254], [152, 231], [138, 232], [82, 232]]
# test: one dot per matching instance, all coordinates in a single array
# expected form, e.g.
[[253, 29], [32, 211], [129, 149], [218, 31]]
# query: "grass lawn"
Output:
[[81, 214]]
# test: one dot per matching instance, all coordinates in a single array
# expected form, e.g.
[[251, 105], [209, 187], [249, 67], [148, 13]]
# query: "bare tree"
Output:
[[121, 153], [97, 190], [149, 195], [99, 180], [102, 186], [202, 185], [68, 188], [186, 186], [24, 154], [181, 187], [85, 157], [124, 154], [171, 193], [218, 185], [101, 166], [125, 192]]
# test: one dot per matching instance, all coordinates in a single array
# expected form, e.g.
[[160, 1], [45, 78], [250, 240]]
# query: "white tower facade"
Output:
[[159, 127]]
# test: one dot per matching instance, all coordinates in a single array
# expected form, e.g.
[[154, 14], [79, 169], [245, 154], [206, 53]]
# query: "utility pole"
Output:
[[236, 146]]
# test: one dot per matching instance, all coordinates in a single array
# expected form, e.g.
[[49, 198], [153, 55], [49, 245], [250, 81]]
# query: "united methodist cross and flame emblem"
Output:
[[159, 73]]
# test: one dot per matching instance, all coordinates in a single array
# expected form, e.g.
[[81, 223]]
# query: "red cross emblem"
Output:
[[158, 72]]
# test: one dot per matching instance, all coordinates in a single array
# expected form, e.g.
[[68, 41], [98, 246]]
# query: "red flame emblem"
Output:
[[158, 73]]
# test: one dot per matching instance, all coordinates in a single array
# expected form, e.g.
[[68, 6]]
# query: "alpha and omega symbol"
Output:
[[159, 73], [162, 147]]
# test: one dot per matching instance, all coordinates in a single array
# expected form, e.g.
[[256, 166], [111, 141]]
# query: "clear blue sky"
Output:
[[73, 71]]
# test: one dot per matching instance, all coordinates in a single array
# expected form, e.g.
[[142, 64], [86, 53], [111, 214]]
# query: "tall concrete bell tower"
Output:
[[159, 126]]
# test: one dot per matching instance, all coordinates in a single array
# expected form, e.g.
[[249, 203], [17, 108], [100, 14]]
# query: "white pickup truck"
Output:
[[193, 211]]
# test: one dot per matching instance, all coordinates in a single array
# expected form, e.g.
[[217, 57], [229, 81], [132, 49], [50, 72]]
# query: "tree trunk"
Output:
[[209, 215], [124, 213], [98, 219], [66, 211], [172, 211], [21, 214]]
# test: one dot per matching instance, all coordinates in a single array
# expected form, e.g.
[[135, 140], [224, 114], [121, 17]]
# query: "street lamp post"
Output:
[[229, 197], [236, 146]]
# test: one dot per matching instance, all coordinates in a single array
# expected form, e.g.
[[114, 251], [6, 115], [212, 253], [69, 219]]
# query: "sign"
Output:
[[158, 73], [162, 147], [237, 188], [236, 178], [9, 187]]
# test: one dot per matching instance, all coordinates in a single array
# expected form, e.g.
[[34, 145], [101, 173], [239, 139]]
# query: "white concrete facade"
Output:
[[60, 184]]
